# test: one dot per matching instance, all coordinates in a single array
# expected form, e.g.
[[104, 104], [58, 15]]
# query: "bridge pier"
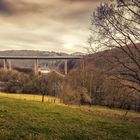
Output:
[[36, 67], [7, 64], [66, 67]]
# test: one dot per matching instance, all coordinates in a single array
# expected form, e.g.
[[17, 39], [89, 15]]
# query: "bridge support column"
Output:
[[36, 67], [66, 67], [7, 65], [4, 64]]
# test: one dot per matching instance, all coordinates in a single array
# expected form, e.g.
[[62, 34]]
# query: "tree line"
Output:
[[89, 87]]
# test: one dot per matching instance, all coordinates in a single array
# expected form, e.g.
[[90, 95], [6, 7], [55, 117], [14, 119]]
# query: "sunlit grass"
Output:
[[105, 111], [31, 97], [28, 119]]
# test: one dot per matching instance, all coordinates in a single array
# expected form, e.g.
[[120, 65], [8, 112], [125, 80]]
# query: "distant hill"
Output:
[[29, 53], [78, 54], [116, 63]]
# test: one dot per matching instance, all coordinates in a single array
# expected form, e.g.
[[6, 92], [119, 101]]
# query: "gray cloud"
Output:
[[5, 7], [93, 1], [45, 24], [32, 6]]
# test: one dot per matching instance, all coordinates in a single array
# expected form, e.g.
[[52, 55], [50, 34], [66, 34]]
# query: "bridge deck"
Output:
[[42, 57]]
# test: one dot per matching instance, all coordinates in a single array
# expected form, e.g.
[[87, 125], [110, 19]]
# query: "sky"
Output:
[[47, 25]]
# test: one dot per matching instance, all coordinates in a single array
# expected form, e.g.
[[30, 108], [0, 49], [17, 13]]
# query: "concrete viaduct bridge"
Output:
[[7, 63]]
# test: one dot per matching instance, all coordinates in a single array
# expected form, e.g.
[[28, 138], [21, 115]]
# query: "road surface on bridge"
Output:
[[42, 57]]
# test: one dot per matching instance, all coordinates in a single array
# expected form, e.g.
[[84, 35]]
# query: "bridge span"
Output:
[[7, 62]]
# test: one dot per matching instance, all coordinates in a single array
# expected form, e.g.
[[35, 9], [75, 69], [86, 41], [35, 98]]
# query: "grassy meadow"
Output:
[[24, 117], [30, 97]]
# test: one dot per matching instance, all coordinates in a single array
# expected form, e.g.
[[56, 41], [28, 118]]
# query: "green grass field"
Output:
[[22, 118], [31, 97]]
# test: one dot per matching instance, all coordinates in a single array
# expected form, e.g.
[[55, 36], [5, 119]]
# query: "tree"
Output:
[[55, 83], [15, 81], [117, 27], [40, 85]]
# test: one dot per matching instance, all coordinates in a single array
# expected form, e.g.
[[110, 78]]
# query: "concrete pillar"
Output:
[[66, 67], [36, 67], [9, 65], [5, 64]]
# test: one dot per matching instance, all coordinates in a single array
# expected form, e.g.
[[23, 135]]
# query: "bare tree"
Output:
[[117, 27], [40, 86]]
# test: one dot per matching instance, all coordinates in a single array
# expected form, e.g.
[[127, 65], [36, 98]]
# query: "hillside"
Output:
[[20, 119], [106, 59]]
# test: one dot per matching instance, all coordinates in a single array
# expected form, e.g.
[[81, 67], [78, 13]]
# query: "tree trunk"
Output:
[[125, 115], [43, 95]]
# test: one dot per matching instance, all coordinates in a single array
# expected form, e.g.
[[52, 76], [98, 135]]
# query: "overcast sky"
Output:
[[51, 25]]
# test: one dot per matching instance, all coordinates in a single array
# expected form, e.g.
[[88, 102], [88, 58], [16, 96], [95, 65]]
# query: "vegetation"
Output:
[[117, 26], [22, 119], [88, 87], [17, 82], [110, 77], [31, 97]]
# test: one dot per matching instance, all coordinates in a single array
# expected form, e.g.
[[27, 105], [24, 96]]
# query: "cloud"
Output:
[[93, 1], [17, 7], [5, 7], [54, 25], [49, 7]]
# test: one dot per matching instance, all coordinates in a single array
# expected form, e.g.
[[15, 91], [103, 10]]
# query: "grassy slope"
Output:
[[30, 97], [20, 119]]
